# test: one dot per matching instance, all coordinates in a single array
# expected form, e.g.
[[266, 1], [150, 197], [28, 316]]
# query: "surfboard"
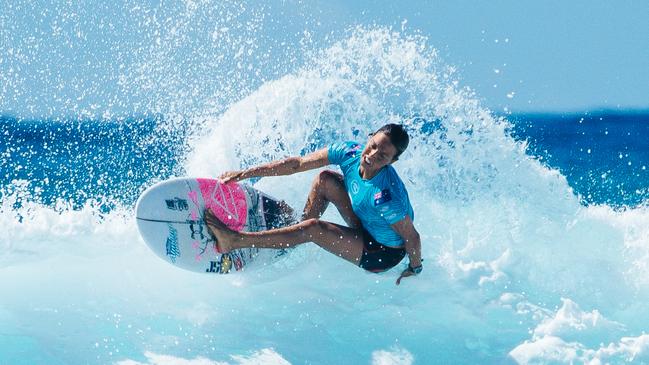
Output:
[[169, 217]]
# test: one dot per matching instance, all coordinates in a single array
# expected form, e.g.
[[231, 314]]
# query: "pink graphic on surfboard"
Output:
[[226, 201], [193, 196]]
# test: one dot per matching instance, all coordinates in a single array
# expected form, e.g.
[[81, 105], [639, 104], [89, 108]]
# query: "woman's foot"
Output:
[[225, 237]]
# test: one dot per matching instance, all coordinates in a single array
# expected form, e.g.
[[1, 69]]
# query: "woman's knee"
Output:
[[314, 225], [326, 177]]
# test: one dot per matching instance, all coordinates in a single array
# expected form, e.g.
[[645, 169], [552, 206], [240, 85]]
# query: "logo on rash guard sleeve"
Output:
[[382, 196], [353, 150]]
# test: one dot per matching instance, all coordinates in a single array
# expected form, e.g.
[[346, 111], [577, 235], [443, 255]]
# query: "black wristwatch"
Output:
[[415, 270]]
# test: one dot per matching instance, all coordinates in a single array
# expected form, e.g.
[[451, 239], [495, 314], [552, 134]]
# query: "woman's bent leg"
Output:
[[340, 240], [328, 186]]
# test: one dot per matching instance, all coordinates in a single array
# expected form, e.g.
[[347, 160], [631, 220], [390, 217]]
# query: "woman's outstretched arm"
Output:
[[287, 166]]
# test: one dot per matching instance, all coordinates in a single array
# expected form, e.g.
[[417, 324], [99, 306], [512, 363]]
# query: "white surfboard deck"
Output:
[[169, 217]]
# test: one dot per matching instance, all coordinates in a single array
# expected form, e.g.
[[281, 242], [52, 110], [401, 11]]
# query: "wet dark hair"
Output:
[[398, 137]]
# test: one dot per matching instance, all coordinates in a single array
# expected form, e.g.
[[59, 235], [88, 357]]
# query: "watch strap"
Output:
[[415, 270]]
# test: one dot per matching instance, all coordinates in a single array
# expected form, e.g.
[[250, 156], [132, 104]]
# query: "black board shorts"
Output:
[[377, 257]]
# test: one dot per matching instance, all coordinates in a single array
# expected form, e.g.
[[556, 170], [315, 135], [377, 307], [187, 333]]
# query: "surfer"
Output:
[[369, 195]]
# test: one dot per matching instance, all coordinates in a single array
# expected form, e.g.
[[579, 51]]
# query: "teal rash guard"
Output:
[[378, 202]]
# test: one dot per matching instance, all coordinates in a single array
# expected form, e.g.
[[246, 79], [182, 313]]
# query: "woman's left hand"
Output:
[[407, 272]]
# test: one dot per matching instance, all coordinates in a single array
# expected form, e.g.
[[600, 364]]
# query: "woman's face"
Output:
[[378, 153]]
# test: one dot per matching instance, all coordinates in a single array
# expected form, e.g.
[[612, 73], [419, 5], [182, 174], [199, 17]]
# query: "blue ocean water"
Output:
[[80, 160], [76, 161], [535, 228], [604, 155], [50, 162]]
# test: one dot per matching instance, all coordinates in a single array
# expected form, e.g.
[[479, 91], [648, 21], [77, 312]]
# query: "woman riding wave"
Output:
[[369, 195]]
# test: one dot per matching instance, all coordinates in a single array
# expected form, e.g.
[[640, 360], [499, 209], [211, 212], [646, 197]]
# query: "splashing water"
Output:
[[516, 269]]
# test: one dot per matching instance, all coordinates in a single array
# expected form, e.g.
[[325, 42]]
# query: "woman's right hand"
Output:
[[231, 176]]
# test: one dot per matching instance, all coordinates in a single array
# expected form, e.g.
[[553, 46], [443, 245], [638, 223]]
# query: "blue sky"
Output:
[[554, 55], [69, 59]]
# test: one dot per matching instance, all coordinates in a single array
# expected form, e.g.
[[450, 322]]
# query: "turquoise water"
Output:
[[532, 256]]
